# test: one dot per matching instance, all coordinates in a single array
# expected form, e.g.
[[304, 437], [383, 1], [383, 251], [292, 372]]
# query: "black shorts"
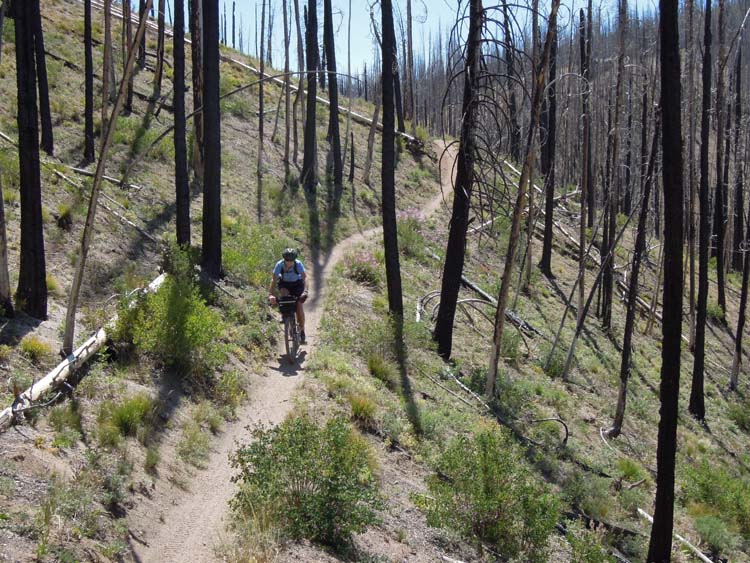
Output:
[[295, 288]]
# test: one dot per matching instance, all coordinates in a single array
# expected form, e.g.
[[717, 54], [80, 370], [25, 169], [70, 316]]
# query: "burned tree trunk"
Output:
[[88, 136], [548, 161], [196, 49], [456, 247], [388, 169], [660, 546], [308, 176], [515, 128], [182, 189], [211, 251], [739, 170], [640, 245], [371, 143], [159, 49], [333, 95], [298, 98], [261, 117], [696, 406], [6, 300], [45, 115], [31, 295]]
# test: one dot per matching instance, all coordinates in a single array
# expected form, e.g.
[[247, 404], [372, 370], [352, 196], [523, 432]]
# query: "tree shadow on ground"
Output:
[[399, 347]]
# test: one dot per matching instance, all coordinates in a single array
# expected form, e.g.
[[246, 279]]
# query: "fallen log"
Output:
[[60, 374]]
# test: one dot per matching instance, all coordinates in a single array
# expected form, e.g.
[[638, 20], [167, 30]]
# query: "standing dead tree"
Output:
[[510, 256], [88, 230]]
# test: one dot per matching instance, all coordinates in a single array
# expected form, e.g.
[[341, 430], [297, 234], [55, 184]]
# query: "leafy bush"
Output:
[[175, 324], [251, 252], [194, 447], [586, 545], [484, 490], [739, 413], [714, 533], [554, 365], [314, 482], [35, 349], [728, 494], [66, 420], [715, 312], [363, 268]]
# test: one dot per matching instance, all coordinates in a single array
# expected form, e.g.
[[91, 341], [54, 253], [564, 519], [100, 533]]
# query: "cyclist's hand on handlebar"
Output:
[[272, 299], [303, 297]]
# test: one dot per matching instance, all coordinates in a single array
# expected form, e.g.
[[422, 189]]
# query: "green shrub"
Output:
[[153, 457], [484, 490], [714, 533], [314, 482], [715, 312], [728, 494], [739, 413], [5, 352], [194, 447], [35, 349], [586, 546], [251, 252], [363, 410], [509, 346], [363, 268], [66, 420], [384, 371], [410, 240], [132, 417], [174, 324], [590, 493]]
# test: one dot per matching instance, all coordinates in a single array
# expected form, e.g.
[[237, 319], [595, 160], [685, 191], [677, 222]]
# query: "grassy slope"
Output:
[[85, 513]]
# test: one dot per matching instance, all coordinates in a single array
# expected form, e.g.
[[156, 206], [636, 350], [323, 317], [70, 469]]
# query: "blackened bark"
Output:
[[737, 361], [31, 295], [388, 168], [720, 204], [333, 95], [308, 175], [88, 129], [182, 189], [697, 407], [261, 116], [640, 245], [515, 128], [456, 248], [548, 161], [298, 98], [6, 300], [196, 48], [739, 204], [159, 48], [41, 73], [627, 198], [211, 258], [142, 13], [127, 41], [660, 546], [397, 92]]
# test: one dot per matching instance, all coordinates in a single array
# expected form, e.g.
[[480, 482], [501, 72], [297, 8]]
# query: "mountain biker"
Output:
[[291, 279]]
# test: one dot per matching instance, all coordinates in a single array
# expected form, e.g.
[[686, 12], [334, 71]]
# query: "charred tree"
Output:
[[41, 73], [196, 49], [182, 188], [515, 128], [6, 300], [261, 117], [660, 546], [31, 295], [142, 15], [159, 49], [298, 98], [548, 160], [109, 91], [308, 176], [333, 115], [464, 183], [739, 171], [127, 46], [88, 112], [640, 245], [719, 225], [388, 168], [697, 407], [211, 251]]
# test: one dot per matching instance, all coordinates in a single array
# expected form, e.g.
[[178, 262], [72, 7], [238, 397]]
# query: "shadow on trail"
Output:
[[399, 345], [288, 369]]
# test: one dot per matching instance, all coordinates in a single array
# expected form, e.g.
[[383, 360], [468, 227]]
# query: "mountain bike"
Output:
[[288, 310]]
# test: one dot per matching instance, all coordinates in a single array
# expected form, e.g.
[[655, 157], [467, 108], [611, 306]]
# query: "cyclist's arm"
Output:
[[274, 283], [304, 280]]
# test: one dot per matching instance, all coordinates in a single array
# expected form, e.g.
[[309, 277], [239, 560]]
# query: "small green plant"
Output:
[[410, 240], [554, 365], [363, 268], [132, 417], [363, 410], [153, 457], [714, 533], [35, 349], [509, 346], [208, 417], [194, 447], [66, 420], [586, 546], [5, 352], [715, 312], [739, 413], [483, 489], [313, 482], [53, 286], [630, 469], [382, 370]]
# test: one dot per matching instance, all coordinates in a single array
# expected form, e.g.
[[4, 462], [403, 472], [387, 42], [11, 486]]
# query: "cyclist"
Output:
[[291, 279]]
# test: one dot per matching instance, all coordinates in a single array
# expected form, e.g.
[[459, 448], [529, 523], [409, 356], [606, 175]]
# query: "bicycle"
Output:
[[288, 309]]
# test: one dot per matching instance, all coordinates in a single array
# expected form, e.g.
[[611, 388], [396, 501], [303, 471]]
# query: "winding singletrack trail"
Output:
[[175, 525]]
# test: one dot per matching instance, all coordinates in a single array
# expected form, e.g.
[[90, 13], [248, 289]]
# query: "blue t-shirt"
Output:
[[293, 274]]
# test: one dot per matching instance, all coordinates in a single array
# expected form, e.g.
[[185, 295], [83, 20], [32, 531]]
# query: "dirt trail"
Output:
[[180, 526]]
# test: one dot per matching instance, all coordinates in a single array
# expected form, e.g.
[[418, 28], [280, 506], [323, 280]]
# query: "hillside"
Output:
[[133, 463]]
